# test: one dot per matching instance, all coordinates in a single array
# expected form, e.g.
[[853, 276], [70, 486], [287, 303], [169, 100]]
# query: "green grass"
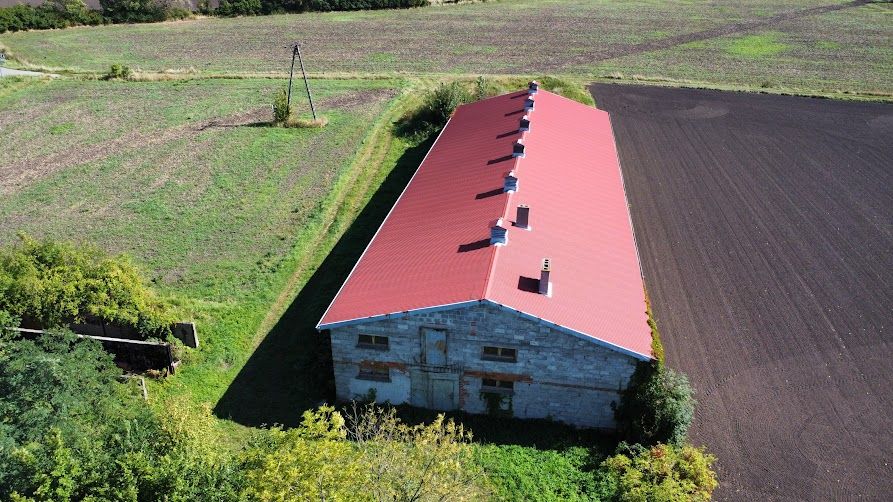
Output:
[[220, 208], [846, 50], [756, 46]]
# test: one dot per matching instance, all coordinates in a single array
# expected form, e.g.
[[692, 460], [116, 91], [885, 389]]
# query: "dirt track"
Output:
[[765, 227]]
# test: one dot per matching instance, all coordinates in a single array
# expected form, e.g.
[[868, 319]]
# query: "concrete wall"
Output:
[[557, 375]]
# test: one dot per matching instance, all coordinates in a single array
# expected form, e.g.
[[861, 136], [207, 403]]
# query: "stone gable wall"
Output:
[[557, 375]]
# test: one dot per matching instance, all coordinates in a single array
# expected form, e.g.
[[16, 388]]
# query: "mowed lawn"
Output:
[[218, 207], [818, 45]]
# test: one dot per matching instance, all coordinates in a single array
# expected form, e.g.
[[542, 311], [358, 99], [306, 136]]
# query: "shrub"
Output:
[[372, 453], [281, 108], [50, 284], [70, 431], [139, 11], [657, 407], [117, 72], [437, 107], [238, 8], [662, 472]]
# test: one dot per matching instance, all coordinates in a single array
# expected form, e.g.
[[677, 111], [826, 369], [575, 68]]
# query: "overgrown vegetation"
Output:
[[439, 103], [70, 431], [50, 14], [657, 407], [661, 472], [118, 72], [65, 13], [49, 284]]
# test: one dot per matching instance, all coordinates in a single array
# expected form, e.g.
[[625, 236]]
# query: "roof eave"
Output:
[[396, 315]]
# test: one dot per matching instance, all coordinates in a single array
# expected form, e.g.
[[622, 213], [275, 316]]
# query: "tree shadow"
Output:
[[291, 370]]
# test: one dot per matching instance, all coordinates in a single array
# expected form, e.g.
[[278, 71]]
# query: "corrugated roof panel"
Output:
[[434, 248]]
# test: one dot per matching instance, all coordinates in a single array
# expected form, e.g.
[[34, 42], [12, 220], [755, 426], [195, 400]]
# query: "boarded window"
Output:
[[497, 386], [373, 342], [503, 354], [377, 373]]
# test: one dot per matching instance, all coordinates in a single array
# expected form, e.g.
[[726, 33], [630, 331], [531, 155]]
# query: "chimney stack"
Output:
[[533, 86], [523, 218], [510, 182], [528, 103], [518, 149], [499, 235], [525, 124], [545, 284]]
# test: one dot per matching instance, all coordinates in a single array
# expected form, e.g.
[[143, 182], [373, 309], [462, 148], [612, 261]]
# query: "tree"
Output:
[[657, 407], [661, 472], [52, 284], [422, 462], [70, 431], [133, 11], [373, 457]]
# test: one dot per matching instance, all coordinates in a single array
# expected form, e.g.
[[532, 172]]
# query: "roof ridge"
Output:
[[504, 216]]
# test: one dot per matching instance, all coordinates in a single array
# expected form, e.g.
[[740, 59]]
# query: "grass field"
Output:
[[185, 176], [809, 45]]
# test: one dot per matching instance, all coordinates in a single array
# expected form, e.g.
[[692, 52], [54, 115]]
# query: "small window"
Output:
[[377, 373], [497, 386], [373, 342], [500, 354]]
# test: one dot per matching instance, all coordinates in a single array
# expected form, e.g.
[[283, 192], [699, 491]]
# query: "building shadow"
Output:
[[291, 370]]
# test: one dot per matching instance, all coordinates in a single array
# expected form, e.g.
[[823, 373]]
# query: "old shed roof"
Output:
[[433, 249]]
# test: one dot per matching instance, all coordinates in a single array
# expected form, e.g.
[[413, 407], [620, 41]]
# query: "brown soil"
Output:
[[765, 227]]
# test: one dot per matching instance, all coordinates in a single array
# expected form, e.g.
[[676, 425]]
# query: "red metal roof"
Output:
[[433, 249]]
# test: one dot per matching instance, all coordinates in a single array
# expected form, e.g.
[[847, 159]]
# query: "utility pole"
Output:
[[296, 51]]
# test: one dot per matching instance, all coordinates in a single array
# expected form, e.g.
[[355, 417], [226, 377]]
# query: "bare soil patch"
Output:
[[766, 239]]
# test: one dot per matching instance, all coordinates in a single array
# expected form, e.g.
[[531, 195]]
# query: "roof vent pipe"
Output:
[[499, 235], [528, 103], [525, 124], [510, 182], [545, 284], [518, 149], [533, 86], [522, 220]]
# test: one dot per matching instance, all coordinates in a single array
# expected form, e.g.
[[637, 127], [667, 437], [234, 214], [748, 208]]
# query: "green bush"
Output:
[[53, 14], [662, 472], [281, 108], [70, 431], [329, 5], [657, 407], [117, 72], [238, 8], [140, 11], [50, 284], [438, 106]]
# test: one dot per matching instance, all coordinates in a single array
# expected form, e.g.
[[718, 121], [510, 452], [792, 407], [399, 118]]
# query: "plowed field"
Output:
[[765, 227]]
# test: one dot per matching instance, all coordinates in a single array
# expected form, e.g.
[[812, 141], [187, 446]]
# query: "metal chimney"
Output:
[[528, 103], [522, 220], [499, 235], [545, 284], [518, 149], [525, 124], [510, 182], [533, 86]]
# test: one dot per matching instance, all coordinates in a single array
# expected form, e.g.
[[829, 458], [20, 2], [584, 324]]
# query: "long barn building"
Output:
[[506, 278]]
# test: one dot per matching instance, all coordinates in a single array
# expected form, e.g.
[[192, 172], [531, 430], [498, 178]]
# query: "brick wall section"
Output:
[[557, 375]]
